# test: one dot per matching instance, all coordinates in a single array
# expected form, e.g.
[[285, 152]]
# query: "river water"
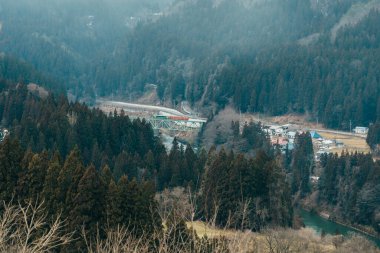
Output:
[[167, 140], [318, 224]]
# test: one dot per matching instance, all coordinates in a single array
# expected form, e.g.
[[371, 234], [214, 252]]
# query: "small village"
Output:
[[284, 137]]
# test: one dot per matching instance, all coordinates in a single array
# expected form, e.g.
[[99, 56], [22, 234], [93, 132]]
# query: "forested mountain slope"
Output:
[[191, 41], [14, 71], [314, 57], [333, 82], [265, 59], [349, 189], [67, 39]]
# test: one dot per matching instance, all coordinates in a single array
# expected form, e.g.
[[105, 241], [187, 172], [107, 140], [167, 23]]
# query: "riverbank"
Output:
[[326, 215], [357, 228], [321, 225]]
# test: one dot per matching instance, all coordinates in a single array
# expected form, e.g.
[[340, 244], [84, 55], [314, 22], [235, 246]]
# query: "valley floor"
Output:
[[350, 142]]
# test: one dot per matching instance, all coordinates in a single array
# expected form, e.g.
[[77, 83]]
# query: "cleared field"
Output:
[[303, 240], [351, 143]]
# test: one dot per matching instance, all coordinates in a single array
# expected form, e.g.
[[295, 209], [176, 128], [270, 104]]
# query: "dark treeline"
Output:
[[182, 167], [247, 139], [54, 123], [302, 164], [242, 193], [350, 186], [373, 137], [102, 170], [127, 147], [13, 70], [245, 193], [85, 197], [252, 137]]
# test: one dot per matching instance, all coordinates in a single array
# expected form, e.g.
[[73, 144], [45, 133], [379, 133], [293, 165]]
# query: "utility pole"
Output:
[[317, 118]]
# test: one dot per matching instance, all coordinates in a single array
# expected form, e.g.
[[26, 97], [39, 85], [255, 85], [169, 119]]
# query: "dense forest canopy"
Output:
[[102, 171], [373, 137], [68, 39], [288, 71], [13, 70], [350, 185]]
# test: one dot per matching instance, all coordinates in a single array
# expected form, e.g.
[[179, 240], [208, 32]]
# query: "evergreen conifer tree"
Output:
[[113, 206], [50, 188], [302, 164], [11, 155], [89, 203], [37, 170], [68, 180]]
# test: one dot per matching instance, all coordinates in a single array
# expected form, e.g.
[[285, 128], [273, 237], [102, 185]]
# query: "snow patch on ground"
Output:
[[309, 39]]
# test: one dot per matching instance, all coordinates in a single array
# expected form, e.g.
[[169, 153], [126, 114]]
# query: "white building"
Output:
[[280, 131], [291, 134], [361, 130]]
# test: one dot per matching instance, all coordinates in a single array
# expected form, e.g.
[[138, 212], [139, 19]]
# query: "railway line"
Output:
[[158, 116]]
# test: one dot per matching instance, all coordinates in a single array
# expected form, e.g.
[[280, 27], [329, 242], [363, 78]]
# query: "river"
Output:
[[167, 140], [318, 224]]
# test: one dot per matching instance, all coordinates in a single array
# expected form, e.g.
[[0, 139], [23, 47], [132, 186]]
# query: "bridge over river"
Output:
[[158, 116]]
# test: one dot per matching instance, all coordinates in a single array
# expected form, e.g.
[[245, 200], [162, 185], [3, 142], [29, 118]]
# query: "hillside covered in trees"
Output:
[[13, 70], [350, 186], [313, 57], [334, 81], [69, 40], [102, 171], [373, 137]]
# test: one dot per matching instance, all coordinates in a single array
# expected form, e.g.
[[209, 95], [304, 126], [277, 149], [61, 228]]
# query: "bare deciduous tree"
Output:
[[117, 241], [26, 229]]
